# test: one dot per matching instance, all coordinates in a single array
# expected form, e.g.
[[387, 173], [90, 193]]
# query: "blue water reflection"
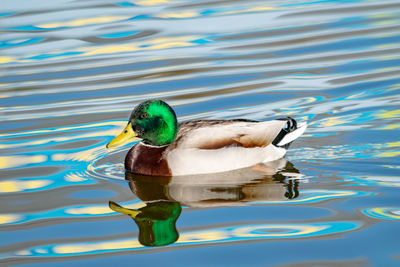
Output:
[[71, 72]]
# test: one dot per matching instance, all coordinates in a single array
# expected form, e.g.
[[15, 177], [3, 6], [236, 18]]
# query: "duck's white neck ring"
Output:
[[144, 144]]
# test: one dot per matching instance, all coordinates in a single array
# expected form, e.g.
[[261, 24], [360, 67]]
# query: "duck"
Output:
[[165, 147]]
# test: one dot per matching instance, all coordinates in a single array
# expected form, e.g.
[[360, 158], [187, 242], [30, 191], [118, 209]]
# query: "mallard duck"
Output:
[[200, 146]]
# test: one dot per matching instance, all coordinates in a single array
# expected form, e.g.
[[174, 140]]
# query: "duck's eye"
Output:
[[144, 115]]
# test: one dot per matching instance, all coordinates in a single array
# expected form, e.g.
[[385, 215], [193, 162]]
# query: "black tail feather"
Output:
[[290, 126]]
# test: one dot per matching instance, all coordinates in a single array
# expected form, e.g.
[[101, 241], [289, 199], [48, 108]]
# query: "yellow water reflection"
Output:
[[9, 218], [16, 161], [205, 236], [150, 44], [21, 185], [93, 210], [84, 248], [72, 177], [187, 14], [153, 2], [337, 120], [389, 114], [82, 22], [393, 144], [391, 127], [249, 10], [389, 154], [86, 155], [64, 129], [68, 138], [6, 59]]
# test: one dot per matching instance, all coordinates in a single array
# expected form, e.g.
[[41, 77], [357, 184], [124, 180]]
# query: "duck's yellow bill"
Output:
[[130, 212], [127, 135]]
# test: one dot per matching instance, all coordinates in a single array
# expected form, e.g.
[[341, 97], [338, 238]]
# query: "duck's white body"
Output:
[[201, 161]]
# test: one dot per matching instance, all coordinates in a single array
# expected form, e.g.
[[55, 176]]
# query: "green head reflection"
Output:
[[156, 221]]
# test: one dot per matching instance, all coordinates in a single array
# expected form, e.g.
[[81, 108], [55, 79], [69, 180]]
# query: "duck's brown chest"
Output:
[[147, 160]]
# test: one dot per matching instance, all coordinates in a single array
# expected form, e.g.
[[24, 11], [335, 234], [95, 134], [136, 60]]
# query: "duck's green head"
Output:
[[154, 121]]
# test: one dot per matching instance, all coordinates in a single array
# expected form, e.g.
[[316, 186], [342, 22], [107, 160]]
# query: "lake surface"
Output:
[[72, 71]]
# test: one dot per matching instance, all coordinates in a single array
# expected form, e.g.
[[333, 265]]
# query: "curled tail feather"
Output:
[[291, 131]]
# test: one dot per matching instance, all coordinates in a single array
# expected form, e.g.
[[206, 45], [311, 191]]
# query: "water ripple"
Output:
[[215, 236], [383, 213], [71, 72]]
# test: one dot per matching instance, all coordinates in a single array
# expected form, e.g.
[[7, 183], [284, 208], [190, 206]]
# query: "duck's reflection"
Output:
[[273, 181]]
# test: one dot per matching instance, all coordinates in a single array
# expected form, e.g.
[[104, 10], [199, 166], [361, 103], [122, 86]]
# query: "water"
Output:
[[71, 71]]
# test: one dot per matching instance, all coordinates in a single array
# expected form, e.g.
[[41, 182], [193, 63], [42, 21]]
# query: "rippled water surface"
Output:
[[71, 71]]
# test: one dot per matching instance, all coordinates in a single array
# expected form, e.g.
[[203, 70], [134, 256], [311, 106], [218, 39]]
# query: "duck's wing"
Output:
[[215, 134], [219, 146]]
